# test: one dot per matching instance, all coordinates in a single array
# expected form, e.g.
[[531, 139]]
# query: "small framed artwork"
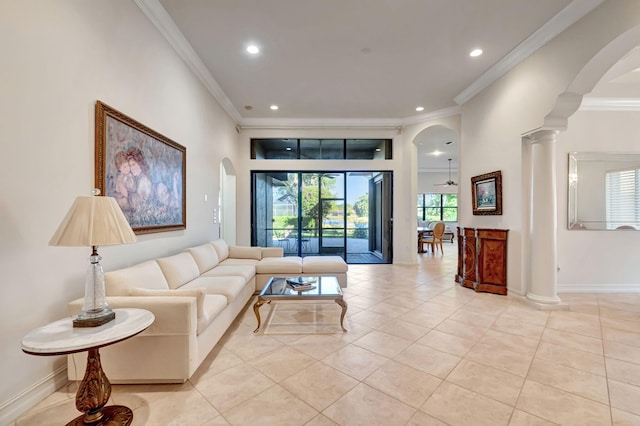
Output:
[[143, 170], [487, 194]]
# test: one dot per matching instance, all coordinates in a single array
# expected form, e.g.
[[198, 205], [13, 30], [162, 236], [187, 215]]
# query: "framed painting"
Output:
[[487, 194], [143, 170]]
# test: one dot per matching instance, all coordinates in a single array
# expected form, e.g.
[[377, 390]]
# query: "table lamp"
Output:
[[93, 221]]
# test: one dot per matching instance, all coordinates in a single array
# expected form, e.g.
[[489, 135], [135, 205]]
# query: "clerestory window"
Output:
[[321, 149]]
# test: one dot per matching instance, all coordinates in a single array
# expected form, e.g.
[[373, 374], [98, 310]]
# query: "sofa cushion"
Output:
[[245, 271], [198, 293], [221, 248], [205, 256], [213, 305], [238, 252], [146, 274], [280, 265], [230, 287], [323, 264], [179, 269]]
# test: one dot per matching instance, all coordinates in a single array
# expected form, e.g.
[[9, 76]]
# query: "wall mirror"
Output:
[[604, 191]]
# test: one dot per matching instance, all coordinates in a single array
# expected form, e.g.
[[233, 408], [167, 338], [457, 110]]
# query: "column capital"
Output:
[[541, 135]]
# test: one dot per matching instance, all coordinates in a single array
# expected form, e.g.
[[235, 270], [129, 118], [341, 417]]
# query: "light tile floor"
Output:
[[420, 350]]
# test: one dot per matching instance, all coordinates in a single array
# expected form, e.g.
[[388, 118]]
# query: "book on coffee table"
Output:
[[302, 287], [301, 283], [301, 280]]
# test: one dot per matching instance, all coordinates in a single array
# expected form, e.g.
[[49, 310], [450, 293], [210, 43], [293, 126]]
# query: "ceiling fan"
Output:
[[449, 182]]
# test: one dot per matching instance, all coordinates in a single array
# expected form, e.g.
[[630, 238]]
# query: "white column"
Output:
[[543, 232]]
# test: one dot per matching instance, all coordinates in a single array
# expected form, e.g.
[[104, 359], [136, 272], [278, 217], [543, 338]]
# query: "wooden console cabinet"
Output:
[[482, 259]]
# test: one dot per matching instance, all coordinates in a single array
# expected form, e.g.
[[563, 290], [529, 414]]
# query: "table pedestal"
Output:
[[93, 393]]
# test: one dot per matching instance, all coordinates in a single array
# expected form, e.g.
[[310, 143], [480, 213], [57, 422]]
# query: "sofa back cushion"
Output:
[[221, 248], [146, 274], [205, 256], [272, 252], [238, 252], [179, 269]]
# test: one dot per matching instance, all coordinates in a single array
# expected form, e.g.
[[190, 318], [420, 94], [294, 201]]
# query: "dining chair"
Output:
[[422, 240], [435, 239], [283, 240]]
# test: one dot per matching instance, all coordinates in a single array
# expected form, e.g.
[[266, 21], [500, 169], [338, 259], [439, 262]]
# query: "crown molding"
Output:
[[321, 123], [159, 17], [609, 104], [573, 12], [434, 115]]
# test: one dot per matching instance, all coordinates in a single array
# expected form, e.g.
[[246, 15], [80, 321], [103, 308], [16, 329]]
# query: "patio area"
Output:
[[357, 248]]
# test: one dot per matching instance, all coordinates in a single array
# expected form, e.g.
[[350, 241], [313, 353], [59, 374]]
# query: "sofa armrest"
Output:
[[272, 252], [174, 314]]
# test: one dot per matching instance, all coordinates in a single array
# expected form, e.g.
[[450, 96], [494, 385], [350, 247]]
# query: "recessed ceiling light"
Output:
[[475, 52], [274, 107], [420, 108], [288, 148], [253, 49], [437, 153], [378, 150]]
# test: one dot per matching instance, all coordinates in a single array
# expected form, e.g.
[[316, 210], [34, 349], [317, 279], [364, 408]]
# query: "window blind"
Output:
[[622, 195]]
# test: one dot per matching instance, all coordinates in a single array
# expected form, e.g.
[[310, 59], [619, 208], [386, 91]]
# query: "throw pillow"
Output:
[[198, 293]]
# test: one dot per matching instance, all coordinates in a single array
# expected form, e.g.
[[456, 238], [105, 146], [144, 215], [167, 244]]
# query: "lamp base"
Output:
[[94, 321]]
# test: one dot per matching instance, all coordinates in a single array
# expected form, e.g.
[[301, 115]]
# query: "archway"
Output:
[[436, 192], [539, 164]]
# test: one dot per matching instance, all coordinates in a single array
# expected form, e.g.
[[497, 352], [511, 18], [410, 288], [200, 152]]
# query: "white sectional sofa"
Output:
[[195, 295]]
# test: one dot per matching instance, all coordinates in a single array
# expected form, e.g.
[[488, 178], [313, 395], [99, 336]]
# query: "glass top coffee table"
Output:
[[301, 288]]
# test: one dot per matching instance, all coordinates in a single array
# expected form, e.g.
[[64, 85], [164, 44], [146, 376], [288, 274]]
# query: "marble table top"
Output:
[[60, 337]]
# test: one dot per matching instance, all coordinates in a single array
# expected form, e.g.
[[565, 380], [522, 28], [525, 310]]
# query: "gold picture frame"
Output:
[[144, 170], [487, 193]]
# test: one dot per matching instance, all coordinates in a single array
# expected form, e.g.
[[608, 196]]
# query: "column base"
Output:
[[542, 303]]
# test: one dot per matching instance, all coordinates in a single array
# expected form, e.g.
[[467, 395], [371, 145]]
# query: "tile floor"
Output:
[[420, 350]]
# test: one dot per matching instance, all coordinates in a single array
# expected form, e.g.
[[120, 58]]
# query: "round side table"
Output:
[[61, 338]]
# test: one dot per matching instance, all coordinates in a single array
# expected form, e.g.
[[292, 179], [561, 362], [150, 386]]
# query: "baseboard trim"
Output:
[[21, 403], [599, 288]]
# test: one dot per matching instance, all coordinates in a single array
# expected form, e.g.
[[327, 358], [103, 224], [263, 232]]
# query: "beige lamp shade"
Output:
[[93, 221]]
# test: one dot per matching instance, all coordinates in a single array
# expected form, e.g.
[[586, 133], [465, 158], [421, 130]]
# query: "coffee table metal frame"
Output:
[[327, 288]]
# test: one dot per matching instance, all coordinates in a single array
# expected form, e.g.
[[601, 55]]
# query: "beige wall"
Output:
[[595, 260], [60, 56]]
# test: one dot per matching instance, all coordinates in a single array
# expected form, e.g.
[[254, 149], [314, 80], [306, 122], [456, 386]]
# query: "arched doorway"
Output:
[[437, 176]]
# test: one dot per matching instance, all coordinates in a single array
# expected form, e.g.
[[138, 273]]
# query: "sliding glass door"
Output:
[[345, 214]]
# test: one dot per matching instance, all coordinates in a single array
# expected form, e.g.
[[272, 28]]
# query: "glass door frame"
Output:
[[307, 238]]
